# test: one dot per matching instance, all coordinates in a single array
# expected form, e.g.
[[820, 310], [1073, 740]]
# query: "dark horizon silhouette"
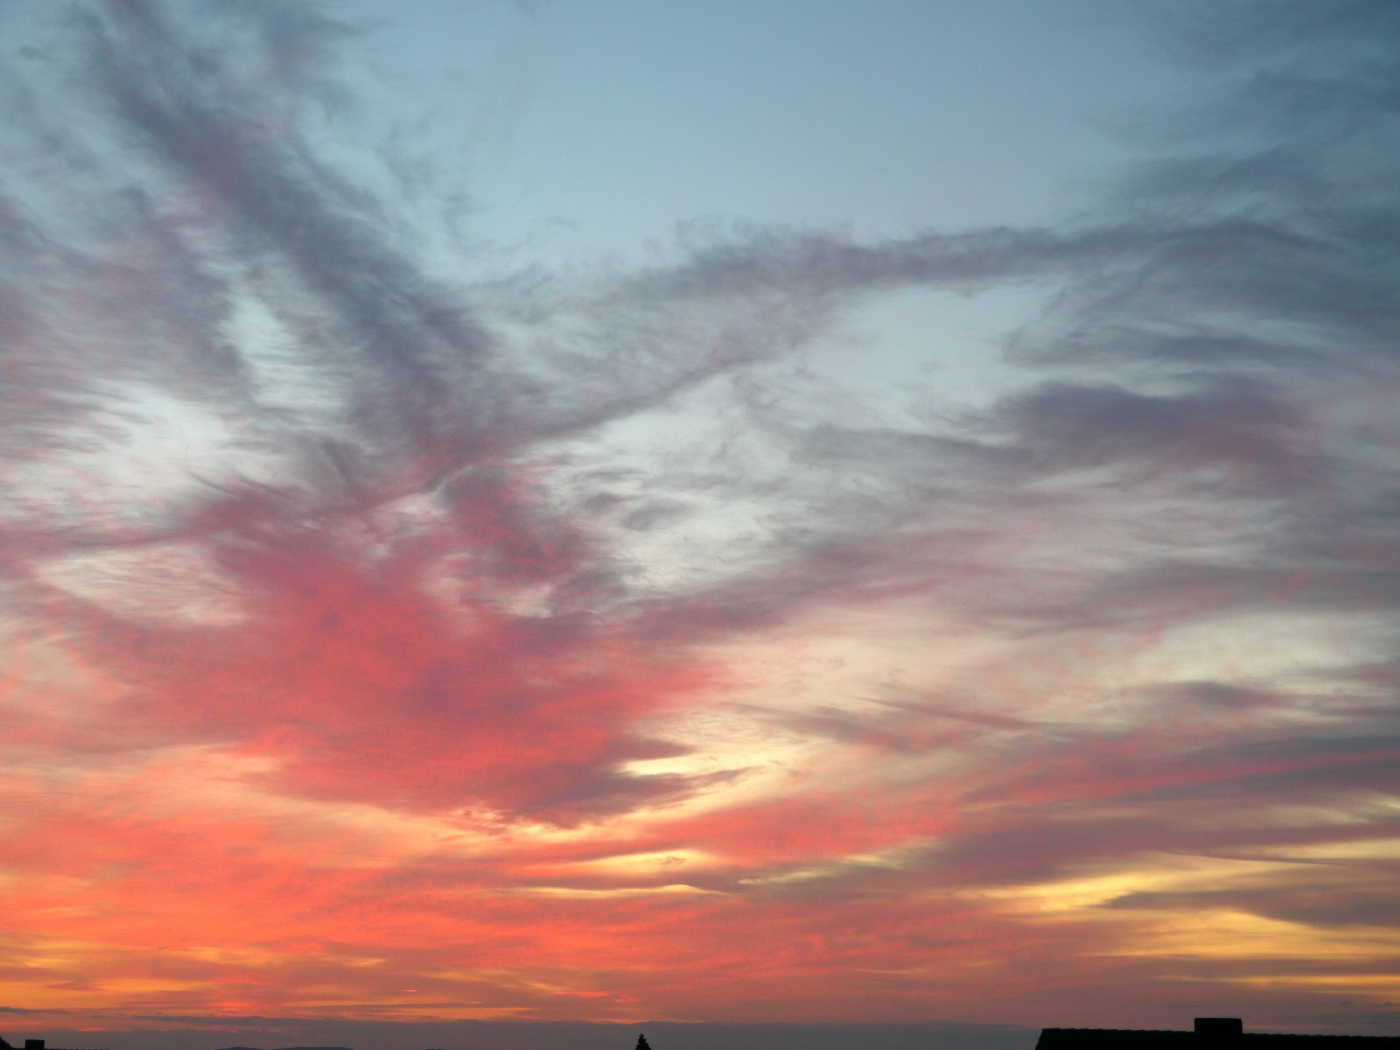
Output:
[[1206, 1033]]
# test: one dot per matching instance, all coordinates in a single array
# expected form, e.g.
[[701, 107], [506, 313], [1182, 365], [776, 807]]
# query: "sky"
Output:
[[525, 521]]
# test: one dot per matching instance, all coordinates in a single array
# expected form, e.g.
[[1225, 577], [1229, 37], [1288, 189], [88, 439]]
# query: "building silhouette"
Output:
[[1209, 1033]]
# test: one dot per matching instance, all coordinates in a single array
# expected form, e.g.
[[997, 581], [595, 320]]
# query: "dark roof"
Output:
[[1156, 1039]]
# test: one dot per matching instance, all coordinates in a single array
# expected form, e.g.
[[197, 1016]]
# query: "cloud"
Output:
[[353, 676]]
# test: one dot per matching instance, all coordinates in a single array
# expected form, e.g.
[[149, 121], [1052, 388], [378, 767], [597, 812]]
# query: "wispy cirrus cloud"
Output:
[[540, 646]]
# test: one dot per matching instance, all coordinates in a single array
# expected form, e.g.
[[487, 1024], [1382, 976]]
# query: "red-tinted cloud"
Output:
[[351, 673]]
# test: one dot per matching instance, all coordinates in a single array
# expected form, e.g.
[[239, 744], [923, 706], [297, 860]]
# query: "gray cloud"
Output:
[[1205, 429]]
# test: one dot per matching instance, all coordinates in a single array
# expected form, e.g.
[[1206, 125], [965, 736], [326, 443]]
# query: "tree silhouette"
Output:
[[642, 1043]]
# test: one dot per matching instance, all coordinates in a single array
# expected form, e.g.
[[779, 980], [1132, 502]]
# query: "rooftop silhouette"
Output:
[[1209, 1033]]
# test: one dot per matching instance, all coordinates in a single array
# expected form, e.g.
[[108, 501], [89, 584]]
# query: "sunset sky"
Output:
[[582, 510]]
